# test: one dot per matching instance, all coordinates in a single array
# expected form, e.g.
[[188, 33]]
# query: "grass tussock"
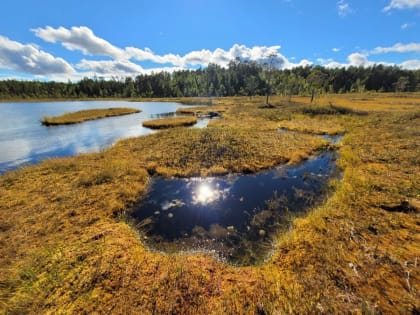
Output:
[[194, 101], [84, 115], [216, 150], [316, 125], [170, 122], [201, 110], [331, 109], [66, 245]]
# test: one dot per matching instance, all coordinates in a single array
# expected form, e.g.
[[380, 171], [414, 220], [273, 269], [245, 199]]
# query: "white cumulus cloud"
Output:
[[83, 39], [402, 4], [411, 64], [147, 54], [30, 59], [343, 8], [397, 48], [203, 57], [79, 38], [110, 67], [358, 60], [361, 60]]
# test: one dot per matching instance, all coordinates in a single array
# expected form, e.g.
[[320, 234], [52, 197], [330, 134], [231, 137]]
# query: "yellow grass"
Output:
[[203, 110], [66, 245], [89, 114], [170, 122], [370, 101]]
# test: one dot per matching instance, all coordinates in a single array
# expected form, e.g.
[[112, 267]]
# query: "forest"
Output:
[[240, 78]]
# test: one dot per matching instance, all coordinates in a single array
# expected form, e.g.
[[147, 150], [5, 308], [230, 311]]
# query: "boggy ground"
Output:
[[88, 114], [66, 245], [173, 122]]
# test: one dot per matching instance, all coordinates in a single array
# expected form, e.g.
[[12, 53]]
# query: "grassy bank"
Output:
[[89, 114], [170, 122], [66, 245]]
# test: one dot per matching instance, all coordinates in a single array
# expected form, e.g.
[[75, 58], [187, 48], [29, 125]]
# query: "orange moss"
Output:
[[170, 122], [89, 114], [66, 243]]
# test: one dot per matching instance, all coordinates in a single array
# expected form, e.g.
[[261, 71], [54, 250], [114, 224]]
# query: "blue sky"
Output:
[[68, 40]]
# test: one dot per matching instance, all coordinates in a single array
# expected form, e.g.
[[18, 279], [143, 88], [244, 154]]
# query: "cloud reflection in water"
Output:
[[24, 140]]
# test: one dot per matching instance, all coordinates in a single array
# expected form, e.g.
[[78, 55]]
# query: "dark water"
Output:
[[23, 140], [234, 216]]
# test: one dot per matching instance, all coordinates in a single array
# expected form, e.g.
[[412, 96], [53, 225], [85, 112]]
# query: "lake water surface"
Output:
[[23, 140]]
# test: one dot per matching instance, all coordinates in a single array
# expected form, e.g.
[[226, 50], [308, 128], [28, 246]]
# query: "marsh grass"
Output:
[[217, 150], [84, 115], [194, 101], [65, 249], [201, 110], [170, 122], [331, 109]]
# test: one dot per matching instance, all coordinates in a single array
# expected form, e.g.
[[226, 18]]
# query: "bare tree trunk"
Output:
[[313, 95]]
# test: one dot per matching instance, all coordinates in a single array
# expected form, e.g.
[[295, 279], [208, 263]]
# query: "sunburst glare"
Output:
[[205, 194]]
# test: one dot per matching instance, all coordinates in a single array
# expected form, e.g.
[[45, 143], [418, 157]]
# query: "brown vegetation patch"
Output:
[[188, 152], [170, 122], [66, 245], [89, 114], [201, 110]]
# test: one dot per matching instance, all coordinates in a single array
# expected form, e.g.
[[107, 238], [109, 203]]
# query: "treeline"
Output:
[[239, 78]]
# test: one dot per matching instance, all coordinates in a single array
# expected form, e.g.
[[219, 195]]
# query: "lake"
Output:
[[23, 140]]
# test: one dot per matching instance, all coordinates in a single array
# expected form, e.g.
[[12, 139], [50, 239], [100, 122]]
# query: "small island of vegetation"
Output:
[[170, 122], [84, 115], [201, 110]]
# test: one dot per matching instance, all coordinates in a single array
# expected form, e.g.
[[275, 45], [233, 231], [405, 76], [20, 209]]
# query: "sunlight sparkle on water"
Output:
[[205, 194]]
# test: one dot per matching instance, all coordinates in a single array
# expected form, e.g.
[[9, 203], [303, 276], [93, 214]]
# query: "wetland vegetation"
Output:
[[69, 243], [89, 114], [173, 122], [237, 216]]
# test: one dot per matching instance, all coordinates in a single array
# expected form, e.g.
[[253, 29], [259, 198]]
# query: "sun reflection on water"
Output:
[[205, 193]]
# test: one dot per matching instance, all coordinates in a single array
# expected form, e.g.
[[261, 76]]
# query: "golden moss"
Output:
[[186, 152], [201, 110], [89, 114], [170, 122], [66, 245]]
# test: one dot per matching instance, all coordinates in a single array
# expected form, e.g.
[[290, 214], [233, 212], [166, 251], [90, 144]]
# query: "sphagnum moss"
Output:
[[64, 247], [89, 114], [166, 123]]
